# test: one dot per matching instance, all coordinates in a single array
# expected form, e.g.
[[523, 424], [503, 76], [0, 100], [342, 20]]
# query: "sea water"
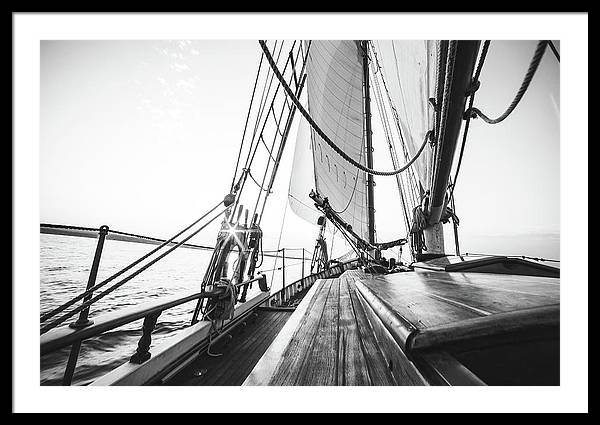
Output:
[[65, 263]]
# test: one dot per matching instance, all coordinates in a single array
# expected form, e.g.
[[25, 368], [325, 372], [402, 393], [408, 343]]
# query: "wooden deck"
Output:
[[362, 329], [239, 353], [331, 341]]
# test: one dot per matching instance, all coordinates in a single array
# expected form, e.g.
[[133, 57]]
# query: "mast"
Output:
[[369, 145], [462, 70]]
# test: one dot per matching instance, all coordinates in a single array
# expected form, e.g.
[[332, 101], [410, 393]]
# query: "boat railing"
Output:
[[287, 292], [67, 335], [88, 295], [54, 338]]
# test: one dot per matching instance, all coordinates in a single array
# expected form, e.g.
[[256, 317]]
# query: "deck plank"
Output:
[[379, 374], [249, 344], [298, 348], [320, 366], [401, 368], [238, 356], [352, 365]]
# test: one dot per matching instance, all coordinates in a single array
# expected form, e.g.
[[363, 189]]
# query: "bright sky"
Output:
[[143, 136]]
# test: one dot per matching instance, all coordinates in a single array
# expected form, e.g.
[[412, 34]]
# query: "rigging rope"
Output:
[[455, 223], [283, 138], [288, 124], [261, 108], [533, 66], [553, 47], [89, 291], [279, 241], [349, 241], [411, 180], [474, 86], [254, 146], [390, 140], [323, 205], [332, 239], [449, 73], [417, 238], [255, 182], [320, 132], [246, 124], [88, 303]]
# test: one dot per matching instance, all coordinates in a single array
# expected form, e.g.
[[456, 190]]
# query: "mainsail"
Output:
[[335, 102], [412, 76], [410, 69]]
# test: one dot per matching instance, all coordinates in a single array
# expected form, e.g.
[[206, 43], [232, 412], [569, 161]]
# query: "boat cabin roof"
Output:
[[489, 264], [362, 329]]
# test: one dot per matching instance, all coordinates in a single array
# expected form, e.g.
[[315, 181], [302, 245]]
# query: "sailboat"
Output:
[[359, 319]]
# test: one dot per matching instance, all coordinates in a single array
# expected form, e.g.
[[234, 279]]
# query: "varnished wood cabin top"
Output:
[[431, 298]]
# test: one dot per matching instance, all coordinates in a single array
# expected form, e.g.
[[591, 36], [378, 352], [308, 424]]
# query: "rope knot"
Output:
[[433, 102], [473, 87], [432, 138], [470, 113]]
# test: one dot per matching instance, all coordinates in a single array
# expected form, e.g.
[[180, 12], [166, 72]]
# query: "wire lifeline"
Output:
[[320, 132], [533, 66], [282, 267], [118, 232], [150, 238]]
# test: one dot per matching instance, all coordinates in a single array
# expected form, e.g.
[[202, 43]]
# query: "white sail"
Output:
[[302, 179], [335, 101], [410, 70]]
